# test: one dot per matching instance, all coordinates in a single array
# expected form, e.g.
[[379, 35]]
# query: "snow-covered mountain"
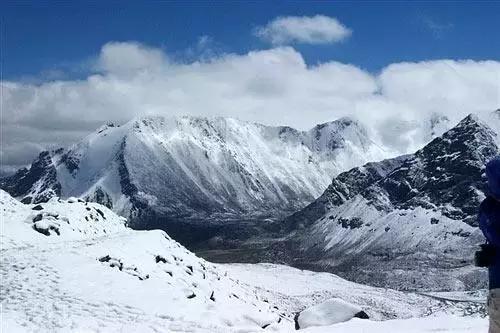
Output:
[[407, 222], [156, 168], [73, 266]]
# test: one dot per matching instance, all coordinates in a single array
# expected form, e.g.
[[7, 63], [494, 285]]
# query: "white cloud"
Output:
[[273, 87], [129, 57], [317, 29]]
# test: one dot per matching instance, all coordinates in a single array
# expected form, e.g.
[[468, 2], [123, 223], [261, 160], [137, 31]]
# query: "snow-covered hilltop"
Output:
[[407, 222], [71, 265], [156, 168]]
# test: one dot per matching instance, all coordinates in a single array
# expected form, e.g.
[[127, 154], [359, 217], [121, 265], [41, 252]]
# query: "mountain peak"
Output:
[[470, 140], [159, 168], [425, 204], [338, 124], [470, 119]]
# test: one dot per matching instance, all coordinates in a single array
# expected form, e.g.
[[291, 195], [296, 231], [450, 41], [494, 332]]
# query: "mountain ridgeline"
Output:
[[409, 222], [239, 191], [177, 173]]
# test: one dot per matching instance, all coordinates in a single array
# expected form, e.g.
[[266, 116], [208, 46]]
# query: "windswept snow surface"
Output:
[[390, 311], [68, 265], [98, 275], [442, 324]]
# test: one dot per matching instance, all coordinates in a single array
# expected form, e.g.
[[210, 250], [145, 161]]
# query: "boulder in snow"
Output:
[[327, 313]]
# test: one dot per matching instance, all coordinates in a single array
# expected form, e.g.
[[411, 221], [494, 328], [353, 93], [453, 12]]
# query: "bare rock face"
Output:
[[160, 171], [409, 215], [34, 185]]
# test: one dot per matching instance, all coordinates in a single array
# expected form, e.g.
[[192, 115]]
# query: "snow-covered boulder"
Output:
[[330, 312]]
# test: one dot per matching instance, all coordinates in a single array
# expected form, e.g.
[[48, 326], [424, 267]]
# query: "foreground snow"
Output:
[[125, 280], [442, 324], [75, 266]]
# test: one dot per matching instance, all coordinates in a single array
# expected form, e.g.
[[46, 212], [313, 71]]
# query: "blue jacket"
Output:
[[489, 218], [489, 222]]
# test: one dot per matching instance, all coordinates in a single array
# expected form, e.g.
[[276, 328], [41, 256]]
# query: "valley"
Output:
[[75, 265], [400, 231]]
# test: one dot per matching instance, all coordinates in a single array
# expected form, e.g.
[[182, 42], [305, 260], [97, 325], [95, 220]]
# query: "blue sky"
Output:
[[42, 36], [400, 68]]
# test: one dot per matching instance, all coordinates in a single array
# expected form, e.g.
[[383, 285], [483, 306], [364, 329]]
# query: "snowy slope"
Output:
[[408, 222], [155, 168], [94, 274], [443, 324]]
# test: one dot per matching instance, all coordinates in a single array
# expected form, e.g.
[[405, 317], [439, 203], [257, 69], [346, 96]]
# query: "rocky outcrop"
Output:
[[34, 185], [159, 170], [401, 212]]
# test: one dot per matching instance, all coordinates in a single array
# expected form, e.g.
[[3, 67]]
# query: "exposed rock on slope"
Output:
[[36, 184], [407, 222], [162, 169]]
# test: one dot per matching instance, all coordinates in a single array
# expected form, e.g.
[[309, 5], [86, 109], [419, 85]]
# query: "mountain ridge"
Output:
[[381, 222], [197, 167]]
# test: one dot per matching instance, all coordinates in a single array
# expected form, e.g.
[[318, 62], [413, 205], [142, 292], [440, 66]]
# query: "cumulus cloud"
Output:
[[129, 57], [401, 105], [317, 29]]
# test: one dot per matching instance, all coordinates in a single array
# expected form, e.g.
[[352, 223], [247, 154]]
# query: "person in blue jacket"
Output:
[[489, 223]]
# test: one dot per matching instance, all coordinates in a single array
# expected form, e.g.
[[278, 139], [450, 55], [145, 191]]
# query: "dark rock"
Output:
[[100, 213], [296, 320], [55, 229], [101, 197], [37, 207], [362, 315], [352, 223], [106, 258], [37, 218], [71, 161], [44, 231], [26, 200], [159, 258]]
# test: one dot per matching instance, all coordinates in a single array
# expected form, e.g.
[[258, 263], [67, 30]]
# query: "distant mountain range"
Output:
[[408, 222], [161, 171]]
